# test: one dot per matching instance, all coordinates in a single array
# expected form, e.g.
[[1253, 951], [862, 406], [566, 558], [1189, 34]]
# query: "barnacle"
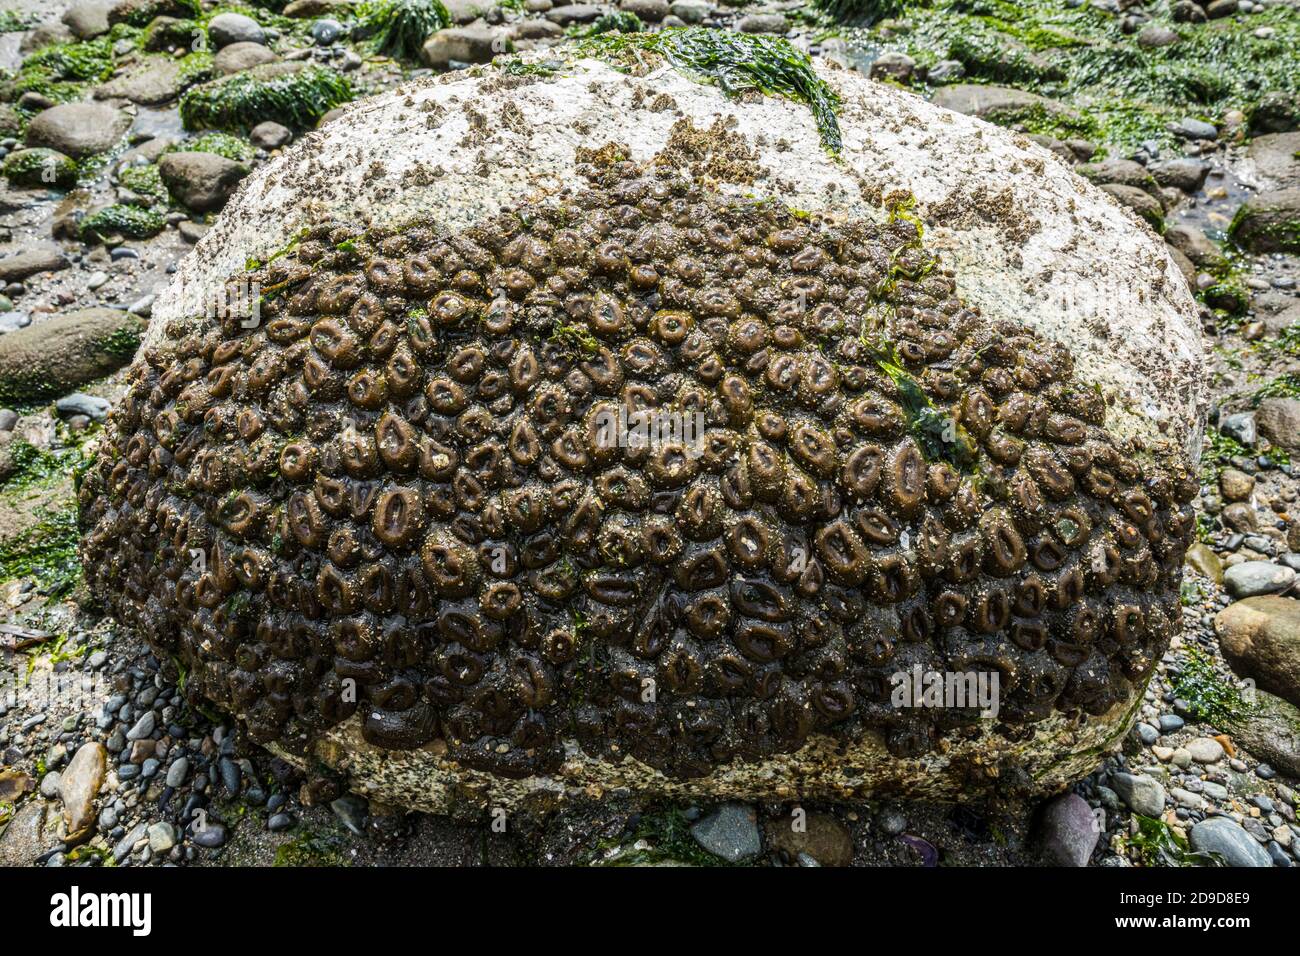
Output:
[[392, 498]]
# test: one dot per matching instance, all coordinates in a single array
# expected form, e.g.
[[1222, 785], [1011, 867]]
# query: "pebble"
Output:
[[1143, 794], [229, 771], [122, 849], [50, 785], [177, 772], [162, 837], [1222, 836], [326, 30], [1190, 128], [211, 836], [1068, 831], [280, 821], [1254, 578], [1169, 723], [144, 727], [1205, 750], [731, 832]]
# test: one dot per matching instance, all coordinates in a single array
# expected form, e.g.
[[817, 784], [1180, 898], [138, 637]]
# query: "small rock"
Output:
[[893, 66], [1190, 128], [946, 71], [1068, 831], [818, 836], [202, 181], [242, 56], [326, 30], [270, 135], [79, 403], [162, 837], [1240, 426], [1143, 794], [227, 28], [79, 786], [764, 23], [1222, 836], [79, 129], [143, 727], [1260, 639], [1278, 420], [211, 836], [1205, 750], [1255, 578], [731, 832]]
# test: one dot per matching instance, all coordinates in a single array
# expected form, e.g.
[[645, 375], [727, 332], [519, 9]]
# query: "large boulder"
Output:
[[158, 81], [660, 641], [1269, 221], [51, 358], [201, 181], [87, 19], [1260, 638], [78, 129], [1275, 159], [242, 56]]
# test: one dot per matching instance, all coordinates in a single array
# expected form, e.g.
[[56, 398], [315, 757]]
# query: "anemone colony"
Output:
[[393, 483]]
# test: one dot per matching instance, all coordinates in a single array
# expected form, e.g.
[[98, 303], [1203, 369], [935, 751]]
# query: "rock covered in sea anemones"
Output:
[[384, 521]]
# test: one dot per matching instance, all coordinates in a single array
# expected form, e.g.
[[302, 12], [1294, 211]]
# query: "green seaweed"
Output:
[[1157, 844], [736, 62], [141, 14], [860, 11], [61, 71], [40, 168], [131, 222], [1286, 385], [311, 849], [15, 21], [1210, 697], [398, 28], [222, 144], [1081, 56], [660, 835], [1216, 450], [46, 552], [620, 21], [145, 181], [37, 467], [237, 102]]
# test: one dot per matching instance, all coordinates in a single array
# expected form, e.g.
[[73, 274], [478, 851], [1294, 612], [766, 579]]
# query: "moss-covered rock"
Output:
[[130, 222], [54, 357], [1269, 222], [40, 167], [140, 13], [1270, 730], [292, 94], [168, 33]]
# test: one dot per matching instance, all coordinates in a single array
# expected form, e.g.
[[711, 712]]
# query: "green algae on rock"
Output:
[[291, 94], [40, 167], [49, 359], [1082, 56], [132, 222], [398, 28]]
